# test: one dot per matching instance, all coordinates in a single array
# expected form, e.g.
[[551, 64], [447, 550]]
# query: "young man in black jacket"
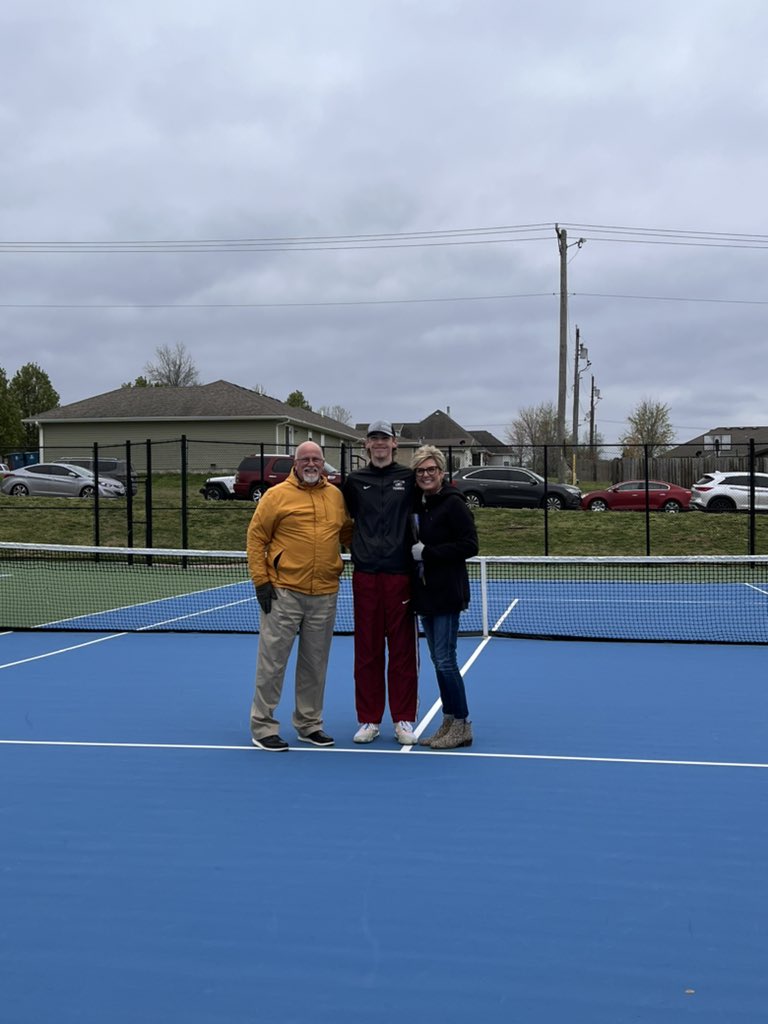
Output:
[[379, 498]]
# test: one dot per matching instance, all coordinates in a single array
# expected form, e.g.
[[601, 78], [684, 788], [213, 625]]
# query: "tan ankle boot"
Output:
[[427, 741], [459, 734]]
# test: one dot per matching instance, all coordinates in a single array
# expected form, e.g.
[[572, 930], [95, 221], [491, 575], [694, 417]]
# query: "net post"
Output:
[[484, 592]]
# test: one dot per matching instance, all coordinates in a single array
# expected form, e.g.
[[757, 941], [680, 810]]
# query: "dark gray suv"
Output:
[[507, 487]]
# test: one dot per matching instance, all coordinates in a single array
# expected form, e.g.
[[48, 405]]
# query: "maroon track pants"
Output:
[[385, 625]]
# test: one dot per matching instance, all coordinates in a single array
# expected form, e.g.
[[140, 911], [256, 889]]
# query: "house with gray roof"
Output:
[[221, 422], [467, 448], [730, 441]]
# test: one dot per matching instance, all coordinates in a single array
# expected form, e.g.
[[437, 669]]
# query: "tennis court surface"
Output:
[[597, 856]]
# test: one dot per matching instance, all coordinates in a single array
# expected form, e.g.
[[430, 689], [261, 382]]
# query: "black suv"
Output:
[[257, 473], [507, 487], [116, 468]]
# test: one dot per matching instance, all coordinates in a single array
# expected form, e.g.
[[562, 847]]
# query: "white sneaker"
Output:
[[404, 733], [367, 733]]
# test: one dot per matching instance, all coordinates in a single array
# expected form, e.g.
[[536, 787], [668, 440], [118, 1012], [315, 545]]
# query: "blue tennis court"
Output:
[[598, 855]]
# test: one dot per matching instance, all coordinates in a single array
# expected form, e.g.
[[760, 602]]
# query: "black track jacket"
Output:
[[380, 500]]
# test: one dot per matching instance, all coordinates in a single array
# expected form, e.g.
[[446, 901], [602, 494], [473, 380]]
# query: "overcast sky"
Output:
[[638, 127]]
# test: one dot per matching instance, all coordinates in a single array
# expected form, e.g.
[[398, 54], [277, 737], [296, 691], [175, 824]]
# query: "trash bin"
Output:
[[15, 460], [31, 458]]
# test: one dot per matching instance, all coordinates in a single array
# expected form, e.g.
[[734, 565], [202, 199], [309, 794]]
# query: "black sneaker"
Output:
[[270, 743], [318, 738]]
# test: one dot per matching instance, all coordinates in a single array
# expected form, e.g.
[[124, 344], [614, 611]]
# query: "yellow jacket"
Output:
[[295, 534]]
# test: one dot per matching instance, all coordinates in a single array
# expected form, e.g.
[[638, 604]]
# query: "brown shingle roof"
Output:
[[219, 400]]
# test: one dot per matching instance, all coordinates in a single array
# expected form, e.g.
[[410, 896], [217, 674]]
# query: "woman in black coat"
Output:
[[445, 537]]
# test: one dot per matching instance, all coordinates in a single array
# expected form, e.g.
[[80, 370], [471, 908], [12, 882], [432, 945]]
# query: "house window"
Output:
[[717, 443]]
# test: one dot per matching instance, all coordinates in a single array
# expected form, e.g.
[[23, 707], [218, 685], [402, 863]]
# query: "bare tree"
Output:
[[174, 367], [336, 412], [648, 426], [534, 427]]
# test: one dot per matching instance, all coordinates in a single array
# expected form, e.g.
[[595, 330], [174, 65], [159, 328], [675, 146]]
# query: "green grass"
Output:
[[222, 526]]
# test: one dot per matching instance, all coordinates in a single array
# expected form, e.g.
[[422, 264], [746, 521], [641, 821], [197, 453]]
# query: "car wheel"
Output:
[[473, 499], [553, 502], [257, 492], [88, 491], [721, 504], [212, 494], [599, 505], [19, 490], [672, 506]]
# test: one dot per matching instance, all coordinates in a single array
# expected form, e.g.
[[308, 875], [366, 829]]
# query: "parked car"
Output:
[[116, 468], [631, 496], [251, 482], [5, 469], [59, 480], [219, 488], [729, 492], [507, 487]]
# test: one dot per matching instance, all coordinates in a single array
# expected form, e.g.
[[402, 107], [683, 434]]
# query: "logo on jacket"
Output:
[[398, 485]]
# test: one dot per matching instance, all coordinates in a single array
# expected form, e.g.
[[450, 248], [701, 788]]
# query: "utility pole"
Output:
[[562, 379], [562, 244], [595, 397], [580, 353]]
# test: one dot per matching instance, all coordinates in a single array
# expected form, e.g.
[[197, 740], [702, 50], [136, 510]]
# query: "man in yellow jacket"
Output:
[[295, 563]]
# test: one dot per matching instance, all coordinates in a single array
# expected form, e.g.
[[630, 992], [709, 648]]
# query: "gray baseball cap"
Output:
[[381, 427]]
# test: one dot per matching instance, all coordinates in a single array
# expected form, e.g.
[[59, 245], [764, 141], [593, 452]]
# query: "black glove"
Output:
[[264, 596]]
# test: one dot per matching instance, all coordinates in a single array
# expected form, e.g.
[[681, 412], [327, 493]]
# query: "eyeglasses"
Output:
[[423, 470], [311, 458]]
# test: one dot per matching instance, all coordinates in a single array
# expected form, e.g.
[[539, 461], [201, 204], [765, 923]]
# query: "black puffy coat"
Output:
[[447, 530]]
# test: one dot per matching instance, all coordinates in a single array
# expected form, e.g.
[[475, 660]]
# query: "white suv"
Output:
[[729, 492]]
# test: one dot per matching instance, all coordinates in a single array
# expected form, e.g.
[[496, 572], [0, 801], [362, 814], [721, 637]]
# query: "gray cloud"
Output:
[[240, 120]]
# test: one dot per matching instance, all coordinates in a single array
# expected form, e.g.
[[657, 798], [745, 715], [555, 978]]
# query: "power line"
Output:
[[494, 234], [270, 305], [376, 302]]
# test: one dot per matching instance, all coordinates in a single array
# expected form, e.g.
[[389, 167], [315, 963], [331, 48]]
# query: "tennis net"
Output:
[[708, 599]]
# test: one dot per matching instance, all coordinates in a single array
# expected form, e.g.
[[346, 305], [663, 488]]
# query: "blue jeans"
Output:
[[441, 632]]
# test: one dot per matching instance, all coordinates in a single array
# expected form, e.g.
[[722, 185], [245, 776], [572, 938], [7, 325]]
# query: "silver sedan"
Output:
[[59, 480]]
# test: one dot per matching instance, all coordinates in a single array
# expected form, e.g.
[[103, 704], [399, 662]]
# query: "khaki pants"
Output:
[[313, 617]]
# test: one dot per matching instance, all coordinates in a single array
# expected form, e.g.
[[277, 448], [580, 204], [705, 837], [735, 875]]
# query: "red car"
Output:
[[631, 496]]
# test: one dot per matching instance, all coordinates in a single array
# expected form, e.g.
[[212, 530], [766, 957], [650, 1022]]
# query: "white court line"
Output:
[[62, 650], [373, 750], [464, 669]]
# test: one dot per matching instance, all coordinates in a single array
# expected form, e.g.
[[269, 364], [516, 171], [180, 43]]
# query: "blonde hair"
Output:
[[428, 451]]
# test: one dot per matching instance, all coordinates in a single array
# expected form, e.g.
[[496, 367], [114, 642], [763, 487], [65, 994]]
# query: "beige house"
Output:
[[475, 448], [220, 422]]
